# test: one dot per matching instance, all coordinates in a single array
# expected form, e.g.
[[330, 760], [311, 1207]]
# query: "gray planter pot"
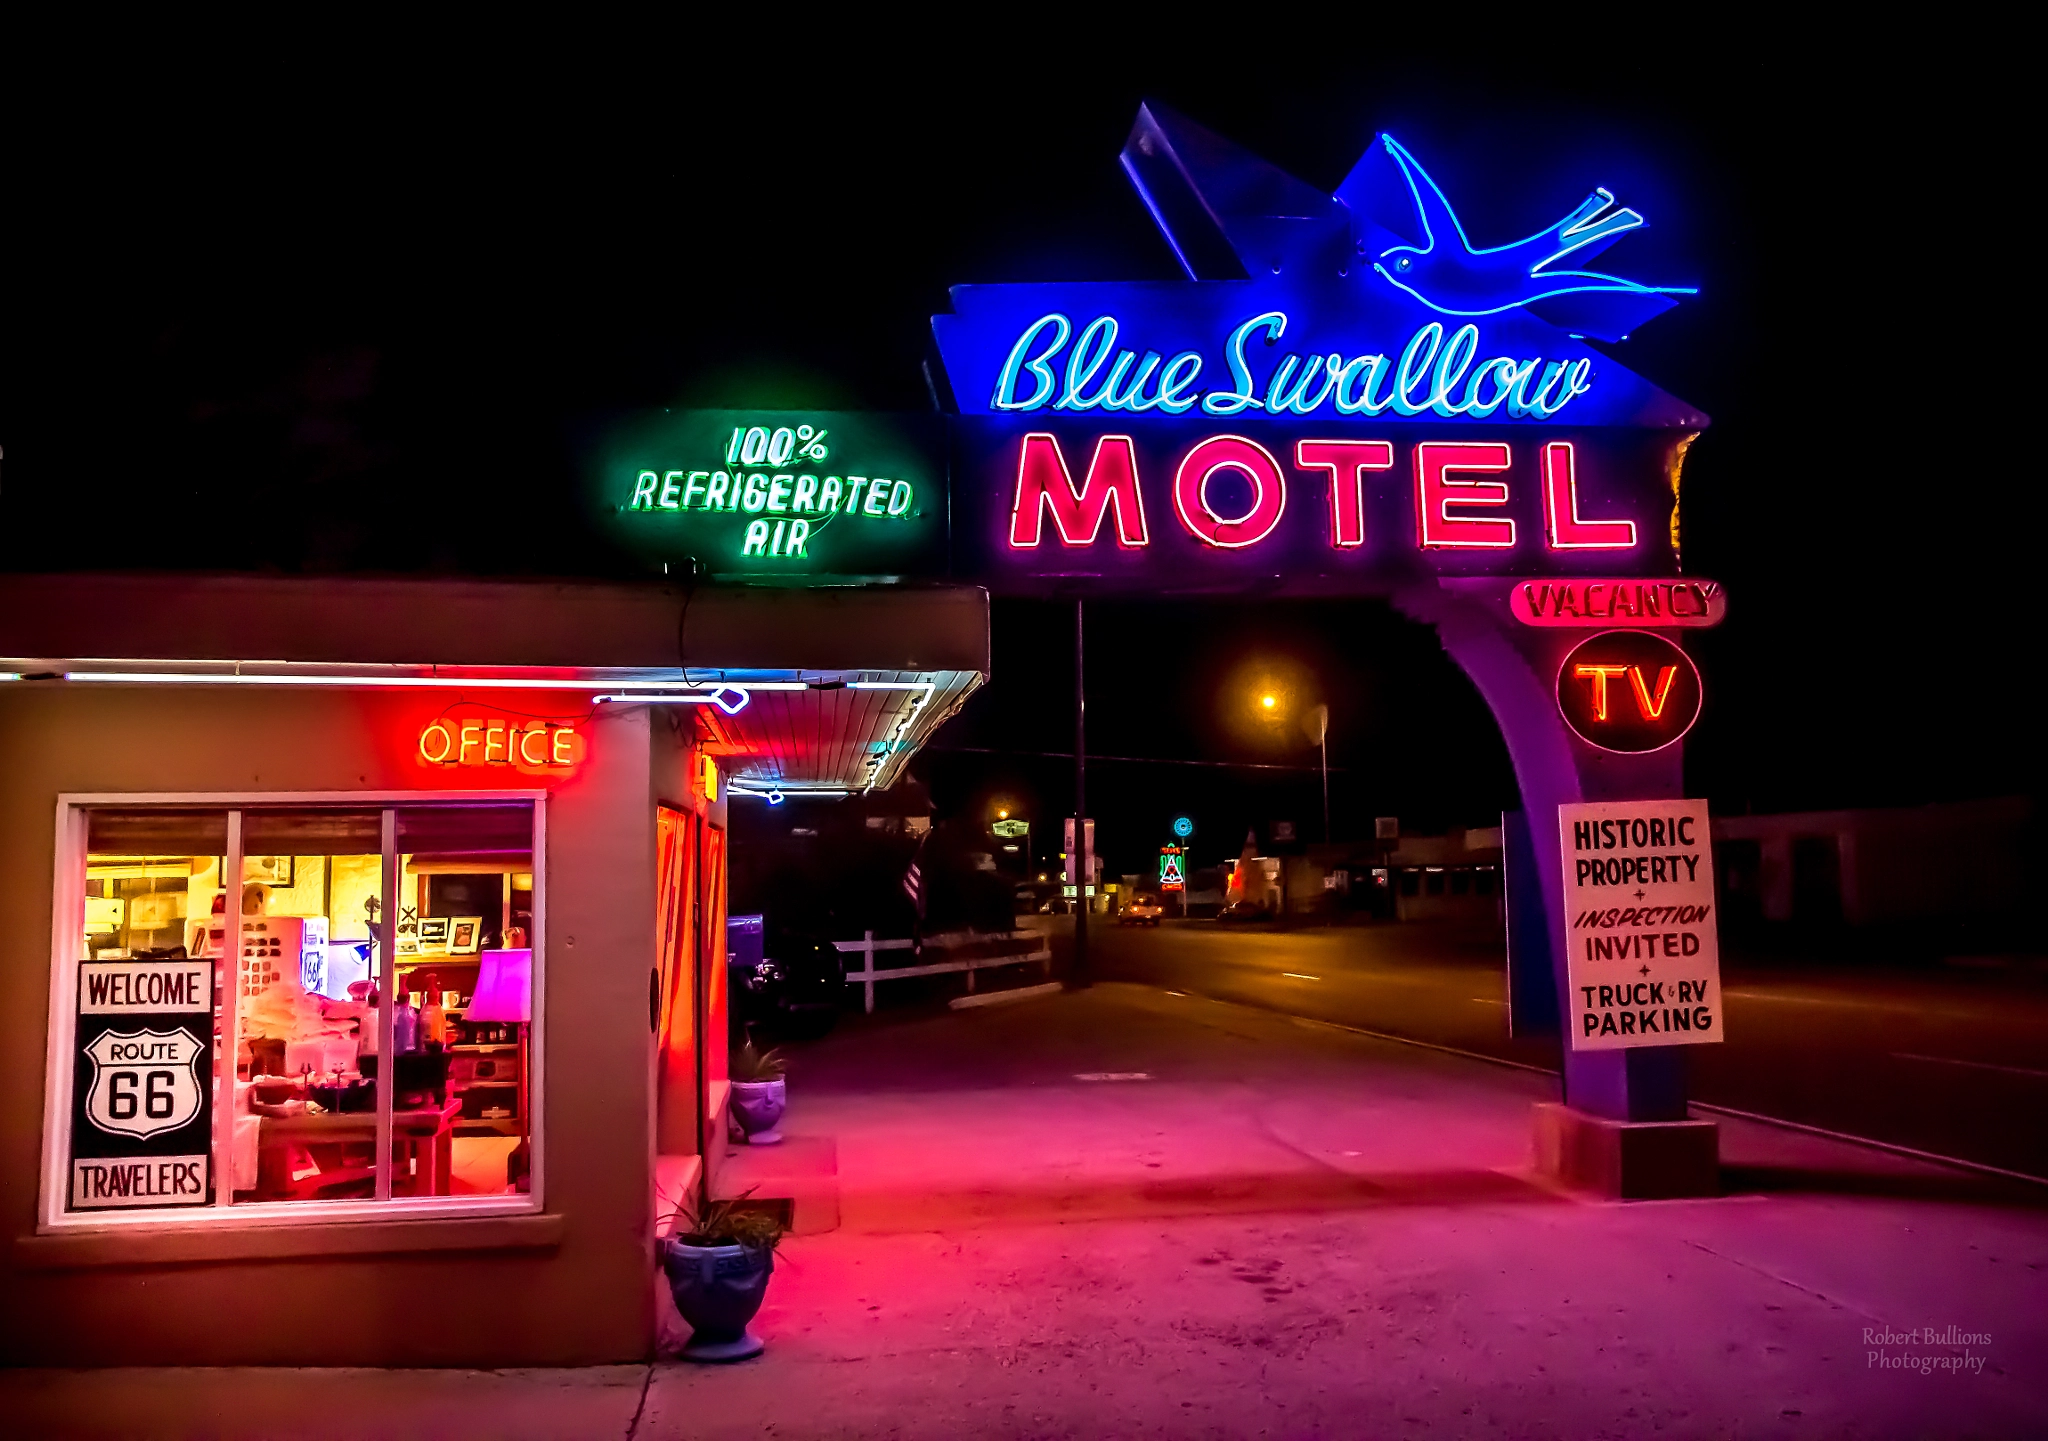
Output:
[[718, 1289], [758, 1107]]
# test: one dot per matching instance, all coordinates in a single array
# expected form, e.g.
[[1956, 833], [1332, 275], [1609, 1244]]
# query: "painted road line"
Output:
[[1301, 976], [1848, 1003], [1486, 1001], [1310, 1023], [1973, 1065], [1876, 1145], [1958, 1162]]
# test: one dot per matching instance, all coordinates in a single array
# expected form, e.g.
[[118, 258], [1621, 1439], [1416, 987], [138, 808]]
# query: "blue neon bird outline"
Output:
[[1468, 281]]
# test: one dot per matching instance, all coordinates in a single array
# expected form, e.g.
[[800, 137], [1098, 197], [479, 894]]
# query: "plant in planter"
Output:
[[758, 1095], [718, 1257]]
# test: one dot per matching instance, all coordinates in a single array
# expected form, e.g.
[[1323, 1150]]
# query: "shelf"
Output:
[[493, 1046]]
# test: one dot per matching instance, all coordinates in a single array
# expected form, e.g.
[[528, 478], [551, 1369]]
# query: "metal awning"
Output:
[[867, 672], [829, 734]]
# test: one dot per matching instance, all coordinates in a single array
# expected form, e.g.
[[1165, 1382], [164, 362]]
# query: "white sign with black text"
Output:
[[142, 1083], [1643, 949]]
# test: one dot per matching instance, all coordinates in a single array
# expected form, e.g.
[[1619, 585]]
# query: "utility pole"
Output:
[[1078, 861]]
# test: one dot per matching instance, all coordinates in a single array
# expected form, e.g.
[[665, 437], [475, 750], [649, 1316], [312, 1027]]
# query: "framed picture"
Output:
[[433, 935], [465, 935], [268, 870]]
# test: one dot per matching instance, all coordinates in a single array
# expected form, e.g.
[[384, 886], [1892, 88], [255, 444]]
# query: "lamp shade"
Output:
[[504, 987]]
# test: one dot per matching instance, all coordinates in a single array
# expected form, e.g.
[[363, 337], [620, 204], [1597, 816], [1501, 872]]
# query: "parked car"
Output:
[[1141, 911], [797, 987], [1240, 912]]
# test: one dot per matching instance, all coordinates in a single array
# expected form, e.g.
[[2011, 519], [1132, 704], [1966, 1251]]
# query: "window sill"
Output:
[[371, 1238]]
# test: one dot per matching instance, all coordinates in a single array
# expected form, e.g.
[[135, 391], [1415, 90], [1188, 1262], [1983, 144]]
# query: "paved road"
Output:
[[1951, 1062]]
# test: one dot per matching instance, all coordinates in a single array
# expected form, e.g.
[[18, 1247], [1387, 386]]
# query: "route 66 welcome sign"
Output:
[[142, 1084]]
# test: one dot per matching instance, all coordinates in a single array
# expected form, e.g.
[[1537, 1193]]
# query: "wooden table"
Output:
[[422, 1142]]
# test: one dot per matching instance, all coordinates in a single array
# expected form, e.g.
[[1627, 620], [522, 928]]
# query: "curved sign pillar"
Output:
[[1351, 395]]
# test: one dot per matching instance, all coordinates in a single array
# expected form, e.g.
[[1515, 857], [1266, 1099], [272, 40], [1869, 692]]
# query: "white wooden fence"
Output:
[[868, 976]]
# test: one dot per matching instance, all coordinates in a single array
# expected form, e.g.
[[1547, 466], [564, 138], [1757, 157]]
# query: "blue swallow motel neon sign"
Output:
[[1430, 377], [1356, 343]]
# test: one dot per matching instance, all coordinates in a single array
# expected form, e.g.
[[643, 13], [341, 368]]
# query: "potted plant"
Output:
[[718, 1256], [758, 1096]]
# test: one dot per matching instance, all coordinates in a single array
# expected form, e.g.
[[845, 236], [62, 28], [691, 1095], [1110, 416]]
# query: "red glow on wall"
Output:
[[1347, 461], [1256, 464], [1437, 463], [1045, 484]]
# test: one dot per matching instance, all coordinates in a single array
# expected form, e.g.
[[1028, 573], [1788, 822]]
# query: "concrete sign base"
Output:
[[1627, 1160]]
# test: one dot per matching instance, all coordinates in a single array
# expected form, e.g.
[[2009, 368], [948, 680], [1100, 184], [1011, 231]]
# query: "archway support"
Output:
[[1623, 1128]]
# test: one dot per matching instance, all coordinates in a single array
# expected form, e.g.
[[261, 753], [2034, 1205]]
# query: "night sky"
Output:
[[259, 317]]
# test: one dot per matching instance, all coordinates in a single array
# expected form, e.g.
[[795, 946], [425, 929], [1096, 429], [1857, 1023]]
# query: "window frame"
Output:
[[67, 919]]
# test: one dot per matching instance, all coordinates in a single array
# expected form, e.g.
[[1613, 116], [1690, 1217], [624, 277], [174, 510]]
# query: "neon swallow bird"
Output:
[[1448, 273], [1230, 215]]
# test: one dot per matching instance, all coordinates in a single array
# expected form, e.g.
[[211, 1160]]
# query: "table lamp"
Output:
[[504, 987]]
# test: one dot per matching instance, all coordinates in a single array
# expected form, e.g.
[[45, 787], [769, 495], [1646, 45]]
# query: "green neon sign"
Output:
[[773, 492]]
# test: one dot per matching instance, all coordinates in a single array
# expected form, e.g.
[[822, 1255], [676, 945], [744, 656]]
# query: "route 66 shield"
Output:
[[144, 1082]]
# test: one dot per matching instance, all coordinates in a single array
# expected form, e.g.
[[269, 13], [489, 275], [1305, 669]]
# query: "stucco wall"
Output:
[[582, 1298]]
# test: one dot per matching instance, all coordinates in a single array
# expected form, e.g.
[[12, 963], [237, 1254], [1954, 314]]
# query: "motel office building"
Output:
[[263, 834]]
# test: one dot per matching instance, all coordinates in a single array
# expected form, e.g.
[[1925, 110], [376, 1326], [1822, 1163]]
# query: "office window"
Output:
[[234, 980]]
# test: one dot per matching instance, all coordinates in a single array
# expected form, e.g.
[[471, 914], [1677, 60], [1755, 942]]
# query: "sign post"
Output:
[[1643, 952]]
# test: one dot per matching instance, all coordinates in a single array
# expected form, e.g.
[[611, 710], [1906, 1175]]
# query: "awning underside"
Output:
[[847, 731]]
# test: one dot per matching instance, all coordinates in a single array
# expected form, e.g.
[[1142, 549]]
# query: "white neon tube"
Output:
[[731, 699]]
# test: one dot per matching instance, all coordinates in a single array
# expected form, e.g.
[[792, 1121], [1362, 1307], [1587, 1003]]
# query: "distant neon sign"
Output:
[[1172, 874], [523, 745]]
